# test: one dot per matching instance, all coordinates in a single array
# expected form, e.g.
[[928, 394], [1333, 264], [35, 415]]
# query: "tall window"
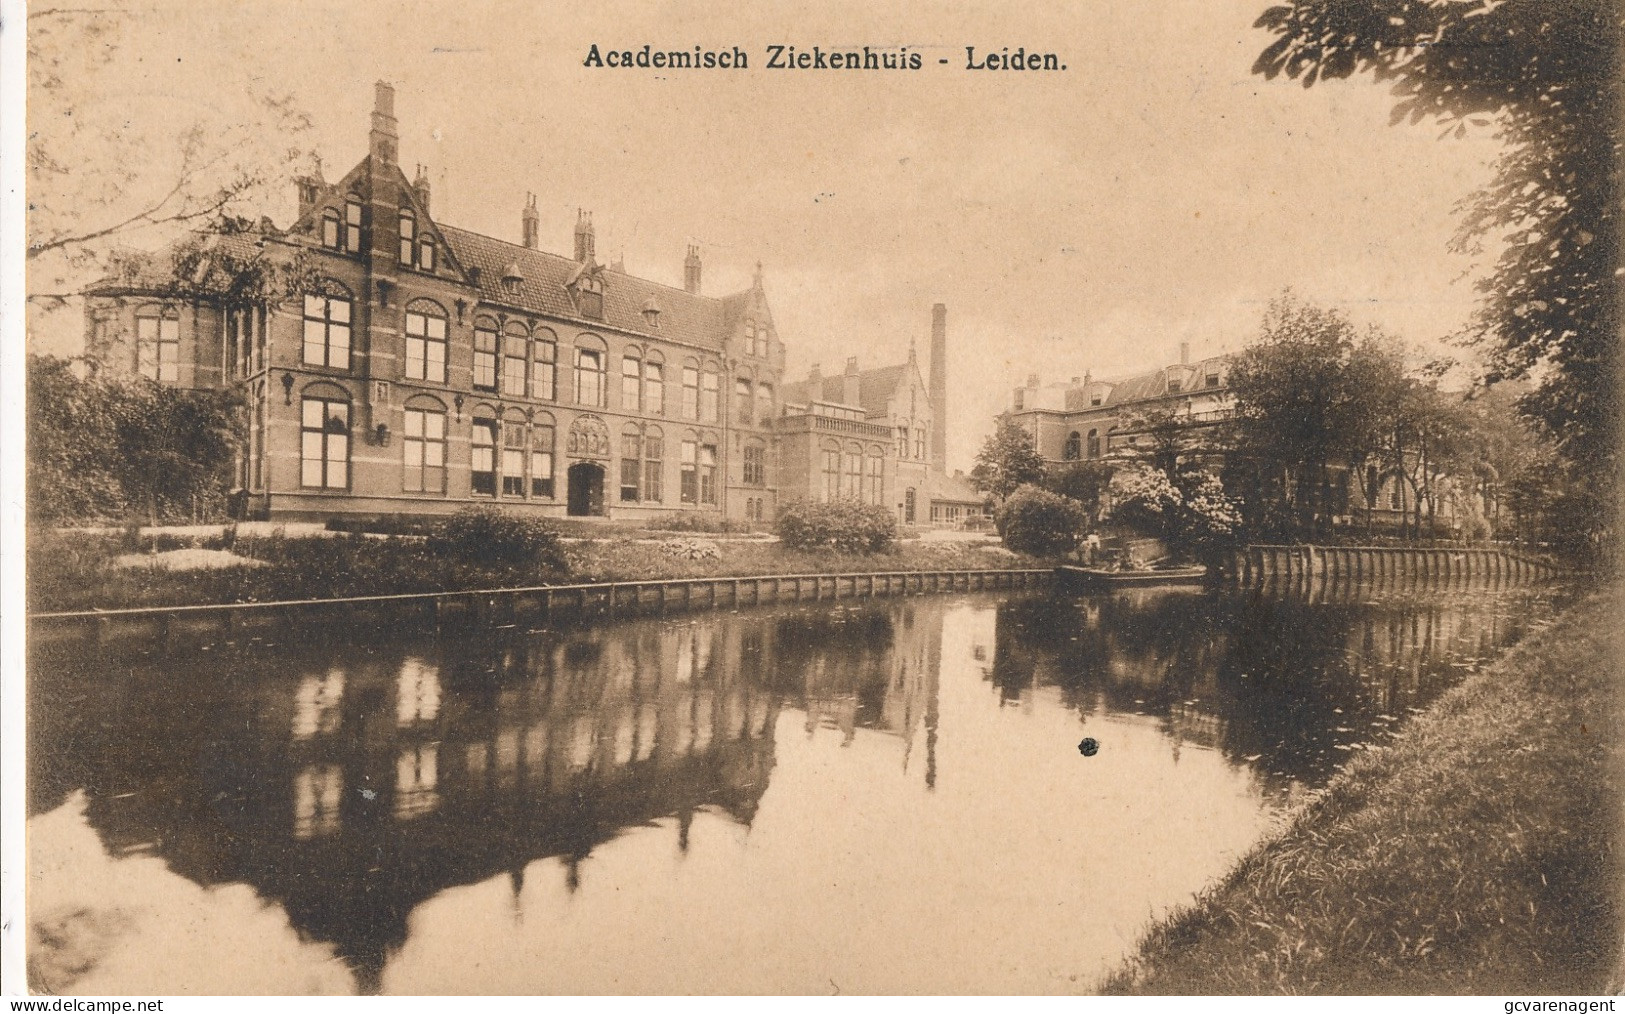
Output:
[[691, 392], [631, 382], [908, 506], [327, 331], [1094, 443], [514, 356], [352, 226], [902, 441], [654, 387], [755, 465], [426, 344], [485, 354], [324, 443], [1073, 449], [874, 477], [631, 464], [852, 473], [653, 465], [332, 233], [483, 456], [590, 377], [709, 384], [832, 473], [409, 236], [919, 445], [689, 479], [424, 446], [426, 253], [544, 366], [541, 457], [708, 473], [514, 446], [158, 344], [764, 403], [742, 400]]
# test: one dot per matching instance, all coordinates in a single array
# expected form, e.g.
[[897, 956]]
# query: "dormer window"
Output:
[[651, 314], [1213, 379], [1175, 385], [1095, 400], [590, 296], [511, 277]]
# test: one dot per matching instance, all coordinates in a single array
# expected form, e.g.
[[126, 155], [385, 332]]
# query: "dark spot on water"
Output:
[[1089, 747]]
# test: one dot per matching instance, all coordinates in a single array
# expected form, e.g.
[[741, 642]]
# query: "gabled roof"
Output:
[[545, 289], [875, 388]]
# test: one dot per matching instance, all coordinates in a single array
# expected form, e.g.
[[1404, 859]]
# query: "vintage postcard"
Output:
[[632, 498]]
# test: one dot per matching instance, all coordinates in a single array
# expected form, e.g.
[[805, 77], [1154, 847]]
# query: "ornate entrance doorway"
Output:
[[586, 495]]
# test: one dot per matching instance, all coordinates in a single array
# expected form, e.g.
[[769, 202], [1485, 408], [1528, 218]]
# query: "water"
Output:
[[887, 797]]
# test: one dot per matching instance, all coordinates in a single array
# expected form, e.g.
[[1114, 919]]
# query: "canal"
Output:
[[883, 796]]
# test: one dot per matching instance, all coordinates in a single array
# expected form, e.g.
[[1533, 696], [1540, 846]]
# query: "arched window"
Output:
[[710, 384], [158, 343], [631, 462], [874, 475], [830, 453], [324, 438], [764, 404], [426, 253], [485, 354], [902, 441], [483, 453], [425, 341], [1072, 450], [654, 452], [541, 456], [515, 353], [1094, 443], [409, 236], [631, 380], [708, 468], [515, 448], [544, 351], [852, 471], [590, 371], [743, 400], [654, 384], [689, 475], [691, 389], [919, 443], [909, 504], [423, 446]]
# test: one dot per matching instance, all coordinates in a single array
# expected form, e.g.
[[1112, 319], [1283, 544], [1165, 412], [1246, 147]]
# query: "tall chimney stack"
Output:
[[384, 142], [584, 237], [691, 270], [851, 388], [532, 222], [939, 388], [1184, 353]]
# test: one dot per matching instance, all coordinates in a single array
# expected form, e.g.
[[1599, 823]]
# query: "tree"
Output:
[[109, 166], [1084, 481], [1036, 521], [1007, 460], [1548, 76]]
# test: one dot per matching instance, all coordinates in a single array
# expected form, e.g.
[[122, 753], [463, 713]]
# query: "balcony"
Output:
[[807, 423]]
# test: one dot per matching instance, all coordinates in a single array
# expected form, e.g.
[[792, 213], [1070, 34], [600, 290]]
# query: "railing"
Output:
[[1260, 564], [793, 423], [169, 626]]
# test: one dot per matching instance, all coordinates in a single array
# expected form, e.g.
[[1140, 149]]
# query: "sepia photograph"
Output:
[[516, 498]]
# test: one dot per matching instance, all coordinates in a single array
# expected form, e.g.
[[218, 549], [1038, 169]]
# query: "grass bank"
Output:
[[1480, 854], [79, 570]]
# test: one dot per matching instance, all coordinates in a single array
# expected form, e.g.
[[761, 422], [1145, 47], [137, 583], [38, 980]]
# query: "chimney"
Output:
[[384, 142], [532, 221], [814, 375], [420, 187], [1032, 380], [851, 393], [310, 189], [1184, 353], [939, 388], [584, 237], [691, 270]]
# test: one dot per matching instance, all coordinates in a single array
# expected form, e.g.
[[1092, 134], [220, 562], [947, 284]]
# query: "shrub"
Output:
[[691, 549], [846, 526], [1039, 522], [489, 536]]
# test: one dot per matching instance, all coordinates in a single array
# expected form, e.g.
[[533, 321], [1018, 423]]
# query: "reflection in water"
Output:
[[366, 790]]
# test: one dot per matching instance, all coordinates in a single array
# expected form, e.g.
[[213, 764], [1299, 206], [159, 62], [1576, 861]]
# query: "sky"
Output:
[[1081, 220]]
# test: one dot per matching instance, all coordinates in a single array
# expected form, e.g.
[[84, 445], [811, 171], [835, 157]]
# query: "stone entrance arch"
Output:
[[586, 489]]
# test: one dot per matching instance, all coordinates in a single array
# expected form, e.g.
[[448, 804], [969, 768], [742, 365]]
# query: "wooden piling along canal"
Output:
[[1388, 565], [166, 626]]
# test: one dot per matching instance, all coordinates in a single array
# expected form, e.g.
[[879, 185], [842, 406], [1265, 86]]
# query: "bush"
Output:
[[1039, 522], [846, 526], [489, 536]]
